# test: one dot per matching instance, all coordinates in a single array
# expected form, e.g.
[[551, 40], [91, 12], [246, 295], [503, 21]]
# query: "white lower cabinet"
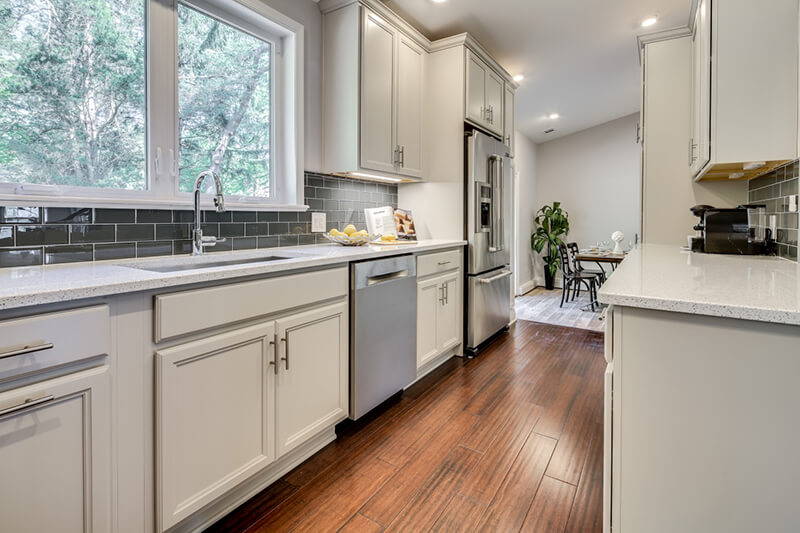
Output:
[[312, 390], [232, 404], [55, 470], [439, 316], [216, 426]]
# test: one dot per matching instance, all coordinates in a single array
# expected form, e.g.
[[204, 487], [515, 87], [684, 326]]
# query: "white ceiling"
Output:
[[579, 57]]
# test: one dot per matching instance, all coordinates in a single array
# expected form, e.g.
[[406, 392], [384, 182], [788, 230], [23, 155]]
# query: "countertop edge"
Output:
[[106, 287]]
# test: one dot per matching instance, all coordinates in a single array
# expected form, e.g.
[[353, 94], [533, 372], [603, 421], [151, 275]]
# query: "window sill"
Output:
[[18, 200]]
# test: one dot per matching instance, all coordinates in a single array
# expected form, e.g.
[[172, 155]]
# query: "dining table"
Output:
[[601, 256]]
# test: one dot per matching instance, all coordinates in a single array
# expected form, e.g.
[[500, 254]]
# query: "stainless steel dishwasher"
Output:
[[383, 330]]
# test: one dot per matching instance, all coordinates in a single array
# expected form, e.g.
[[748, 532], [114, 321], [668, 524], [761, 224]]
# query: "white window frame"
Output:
[[162, 145]]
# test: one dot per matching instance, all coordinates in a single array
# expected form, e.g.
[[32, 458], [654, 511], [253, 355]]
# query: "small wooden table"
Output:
[[601, 257]]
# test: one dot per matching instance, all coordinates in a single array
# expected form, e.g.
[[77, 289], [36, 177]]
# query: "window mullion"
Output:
[[162, 109]]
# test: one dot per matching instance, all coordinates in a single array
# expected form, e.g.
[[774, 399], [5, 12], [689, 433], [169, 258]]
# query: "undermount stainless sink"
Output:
[[209, 264]]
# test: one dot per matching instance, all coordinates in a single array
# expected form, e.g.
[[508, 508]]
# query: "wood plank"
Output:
[[412, 435], [510, 405], [485, 480], [429, 503], [384, 506], [573, 445], [551, 506], [554, 417], [485, 398], [330, 500], [587, 509], [360, 524], [460, 516], [510, 505]]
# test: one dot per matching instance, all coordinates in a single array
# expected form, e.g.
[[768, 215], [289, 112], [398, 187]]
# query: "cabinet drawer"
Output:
[[186, 312], [439, 262], [32, 344]]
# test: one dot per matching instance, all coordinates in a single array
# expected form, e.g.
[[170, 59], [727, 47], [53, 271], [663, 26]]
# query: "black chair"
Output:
[[573, 280], [574, 250]]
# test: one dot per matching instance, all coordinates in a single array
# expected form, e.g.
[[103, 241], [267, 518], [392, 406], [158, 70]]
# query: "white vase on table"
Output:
[[618, 237]]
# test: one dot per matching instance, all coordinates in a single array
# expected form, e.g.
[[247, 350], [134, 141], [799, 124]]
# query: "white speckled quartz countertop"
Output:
[[26, 286], [662, 277]]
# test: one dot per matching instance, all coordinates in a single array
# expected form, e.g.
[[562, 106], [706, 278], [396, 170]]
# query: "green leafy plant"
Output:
[[552, 223]]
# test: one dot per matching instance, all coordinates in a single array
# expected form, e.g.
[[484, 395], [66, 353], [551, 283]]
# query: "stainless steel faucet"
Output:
[[198, 241]]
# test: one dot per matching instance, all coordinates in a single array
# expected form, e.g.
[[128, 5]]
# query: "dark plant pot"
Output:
[[549, 279]]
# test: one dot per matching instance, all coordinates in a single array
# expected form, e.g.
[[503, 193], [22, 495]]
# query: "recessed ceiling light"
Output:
[[519, 77], [439, 1], [553, 116], [646, 23]]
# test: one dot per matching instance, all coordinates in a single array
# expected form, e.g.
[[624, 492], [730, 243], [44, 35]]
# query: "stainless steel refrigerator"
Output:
[[488, 219]]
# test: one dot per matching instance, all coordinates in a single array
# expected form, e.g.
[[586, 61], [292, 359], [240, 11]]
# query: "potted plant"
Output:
[[552, 223]]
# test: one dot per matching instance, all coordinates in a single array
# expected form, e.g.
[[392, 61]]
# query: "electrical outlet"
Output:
[[793, 203], [318, 221]]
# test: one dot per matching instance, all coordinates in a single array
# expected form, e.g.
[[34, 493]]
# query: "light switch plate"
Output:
[[318, 222], [793, 203]]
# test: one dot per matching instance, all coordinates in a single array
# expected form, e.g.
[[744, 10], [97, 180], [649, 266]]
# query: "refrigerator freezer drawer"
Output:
[[489, 300]]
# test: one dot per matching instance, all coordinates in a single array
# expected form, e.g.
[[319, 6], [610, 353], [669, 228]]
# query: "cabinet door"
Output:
[[54, 455], [494, 102], [430, 294], [215, 417], [312, 374], [377, 94], [703, 140], [477, 71], [508, 118], [410, 61], [449, 317]]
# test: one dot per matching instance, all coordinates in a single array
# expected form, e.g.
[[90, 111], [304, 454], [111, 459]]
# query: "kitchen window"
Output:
[[120, 102]]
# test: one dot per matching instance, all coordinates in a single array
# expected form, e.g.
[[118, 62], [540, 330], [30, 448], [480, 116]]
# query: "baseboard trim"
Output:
[[526, 287]]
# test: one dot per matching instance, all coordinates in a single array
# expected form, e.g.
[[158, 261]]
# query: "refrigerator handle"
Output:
[[493, 175], [501, 178]]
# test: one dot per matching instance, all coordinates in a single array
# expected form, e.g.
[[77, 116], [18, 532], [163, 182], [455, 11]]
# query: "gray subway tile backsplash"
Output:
[[31, 236], [773, 190]]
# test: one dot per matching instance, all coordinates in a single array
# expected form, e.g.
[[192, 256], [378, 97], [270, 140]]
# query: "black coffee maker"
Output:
[[740, 230]]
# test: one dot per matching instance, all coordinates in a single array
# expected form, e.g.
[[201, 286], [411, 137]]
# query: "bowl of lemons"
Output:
[[349, 236]]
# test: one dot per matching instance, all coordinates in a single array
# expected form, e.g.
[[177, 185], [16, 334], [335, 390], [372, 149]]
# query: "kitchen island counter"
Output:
[[666, 278]]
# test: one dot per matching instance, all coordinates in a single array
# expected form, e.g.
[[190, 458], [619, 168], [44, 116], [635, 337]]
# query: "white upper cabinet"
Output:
[[372, 97], [377, 94], [508, 118], [485, 93], [477, 71], [745, 59], [410, 65], [699, 142]]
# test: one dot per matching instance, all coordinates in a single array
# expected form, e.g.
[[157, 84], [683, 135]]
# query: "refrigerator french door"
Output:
[[488, 218]]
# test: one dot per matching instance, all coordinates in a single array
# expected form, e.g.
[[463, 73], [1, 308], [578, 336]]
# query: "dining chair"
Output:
[[573, 280], [574, 250]]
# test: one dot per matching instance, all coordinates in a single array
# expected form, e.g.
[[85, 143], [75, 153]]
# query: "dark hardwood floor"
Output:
[[508, 441]]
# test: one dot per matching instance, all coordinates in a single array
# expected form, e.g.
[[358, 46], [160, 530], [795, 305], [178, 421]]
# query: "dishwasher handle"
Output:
[[383, 278]]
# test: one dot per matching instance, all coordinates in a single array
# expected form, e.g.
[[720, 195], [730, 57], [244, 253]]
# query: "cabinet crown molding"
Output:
[[462, 39]]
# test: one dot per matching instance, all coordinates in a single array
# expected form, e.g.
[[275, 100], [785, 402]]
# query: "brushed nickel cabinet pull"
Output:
[[27, 404], [274, 344], [285, 340], [442, 263], [28, 348]]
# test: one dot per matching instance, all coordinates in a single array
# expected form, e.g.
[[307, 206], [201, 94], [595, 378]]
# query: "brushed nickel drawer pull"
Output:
[[27, 404], [28, 348], [442, 263]]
